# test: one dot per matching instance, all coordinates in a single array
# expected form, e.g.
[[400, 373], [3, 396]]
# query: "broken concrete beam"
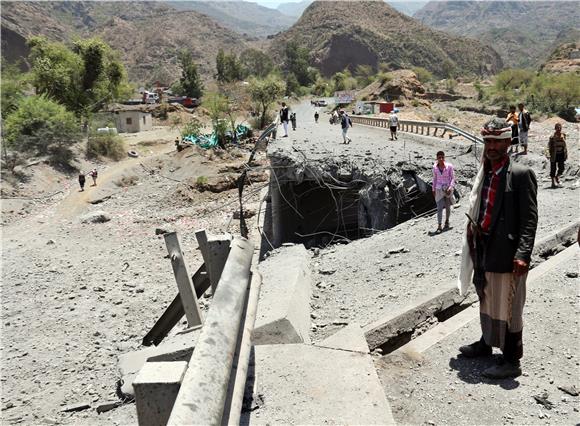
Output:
[[343, 384], [349, 338], [175, 348], [284, 308], [156, 387], [409, 317]]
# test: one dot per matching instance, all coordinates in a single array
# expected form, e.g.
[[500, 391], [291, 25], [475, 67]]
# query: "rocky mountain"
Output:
[[565, 58], [148, 34], [294, 9], [406, 7], [522, 32], [243, 17], [345, 34]]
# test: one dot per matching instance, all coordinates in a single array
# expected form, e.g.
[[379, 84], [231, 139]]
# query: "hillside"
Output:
[[522, 32], [148, 35], [565, 58], [345, 34], [243, 17]]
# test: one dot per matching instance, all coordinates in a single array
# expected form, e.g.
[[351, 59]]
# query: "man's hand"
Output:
[[520, 267]]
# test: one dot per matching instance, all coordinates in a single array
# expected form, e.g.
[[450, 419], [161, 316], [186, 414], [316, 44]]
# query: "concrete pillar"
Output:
[[277, 218], [156, 388]]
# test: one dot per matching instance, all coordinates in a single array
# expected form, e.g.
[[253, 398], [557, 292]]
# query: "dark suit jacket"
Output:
[[514, 219]]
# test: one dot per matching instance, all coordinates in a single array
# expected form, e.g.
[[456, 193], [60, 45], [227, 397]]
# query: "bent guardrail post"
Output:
[[184, 283], [203, 390]]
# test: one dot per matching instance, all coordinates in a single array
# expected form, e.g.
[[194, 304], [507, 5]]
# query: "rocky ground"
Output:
[[440, 387], [77, 294]]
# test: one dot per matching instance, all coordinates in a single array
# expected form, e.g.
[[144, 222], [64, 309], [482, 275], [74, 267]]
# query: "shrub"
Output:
[[106, 145], [126, 181], [423, 75], [192, 127], [40, 126]]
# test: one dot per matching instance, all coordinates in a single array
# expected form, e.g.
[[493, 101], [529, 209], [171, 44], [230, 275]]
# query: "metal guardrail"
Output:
[[207, 385], [417, 127]]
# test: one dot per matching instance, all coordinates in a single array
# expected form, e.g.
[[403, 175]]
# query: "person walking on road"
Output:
[[345, 123], [82, 180], [393, 124], [558, 154], [316, 116], [524, 120], [497, 248], [442, 187], [284, 118], [512, 117], [93, 173]]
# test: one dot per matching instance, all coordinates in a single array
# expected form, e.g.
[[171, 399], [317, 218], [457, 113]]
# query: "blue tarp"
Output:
[[211, 141]]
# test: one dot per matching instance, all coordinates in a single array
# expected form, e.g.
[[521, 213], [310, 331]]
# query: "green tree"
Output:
[[228, 67], [83, 78], [12, 87], [190, 80], [321, 87], [297, 63], [256, 63], [264, 92], [217, 107], [364, 75], [292, 85], [40, 126], [220, 65]]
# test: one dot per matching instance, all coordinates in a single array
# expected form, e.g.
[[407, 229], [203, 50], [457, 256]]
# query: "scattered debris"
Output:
[[75, 407], [572, 274], [108, 406], [96, 217], [543, 400], [570, 390]]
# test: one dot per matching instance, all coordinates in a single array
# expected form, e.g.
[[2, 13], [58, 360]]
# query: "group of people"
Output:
[[82, 179], [498, 240], [287, 117]]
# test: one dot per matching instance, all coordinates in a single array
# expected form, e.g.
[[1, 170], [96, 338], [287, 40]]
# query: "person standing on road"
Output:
[[524, 120], [512, 117], [284, 117], [345, 123], [82, 180], [316, 116], [497, 248], [293, 120], [442, 187], [558, 154], [393, 124]]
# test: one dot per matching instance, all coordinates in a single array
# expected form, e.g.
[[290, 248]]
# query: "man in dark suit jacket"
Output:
[[501, 238]]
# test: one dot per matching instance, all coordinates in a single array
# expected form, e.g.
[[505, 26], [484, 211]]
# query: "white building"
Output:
[[132, 120]]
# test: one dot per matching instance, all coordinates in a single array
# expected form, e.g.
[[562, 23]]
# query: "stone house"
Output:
[[132, 119]]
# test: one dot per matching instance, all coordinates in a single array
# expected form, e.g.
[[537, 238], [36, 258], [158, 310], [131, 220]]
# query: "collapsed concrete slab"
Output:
[[284, 308], [349, 338], [303, 384], [176, 348]]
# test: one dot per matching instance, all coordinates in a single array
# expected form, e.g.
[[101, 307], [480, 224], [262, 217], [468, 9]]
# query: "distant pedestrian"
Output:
[[393, 124], [293, 120], [93, 173], [558, 154], [345, 123], [82, 180], [512, 118], [284, 118], [442, 187], [316, 116], [524, 120], [497, 249]]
